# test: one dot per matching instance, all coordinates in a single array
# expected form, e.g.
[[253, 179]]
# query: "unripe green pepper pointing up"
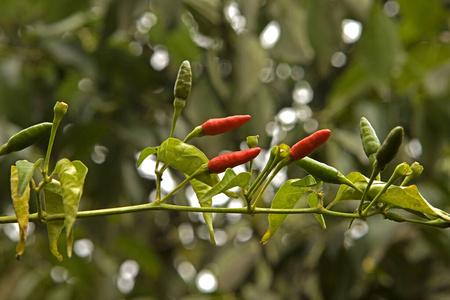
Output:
[[181, 92], [183, 83], [388, 150], [369, 138]]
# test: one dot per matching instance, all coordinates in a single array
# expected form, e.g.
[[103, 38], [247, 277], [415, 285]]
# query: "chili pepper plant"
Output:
[[59, 191]]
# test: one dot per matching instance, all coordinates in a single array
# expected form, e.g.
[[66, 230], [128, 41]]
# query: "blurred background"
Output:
[[295, 66]]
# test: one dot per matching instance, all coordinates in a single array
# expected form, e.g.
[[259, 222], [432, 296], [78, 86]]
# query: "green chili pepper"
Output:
[[324, 172], [385, 154], [400, 171], [26, 138], [320, 170], [438, 223], [183, 84], [388, 150], [369, 138], [181, 91]]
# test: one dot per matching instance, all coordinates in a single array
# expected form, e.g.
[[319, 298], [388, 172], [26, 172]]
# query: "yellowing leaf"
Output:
[[72, 177], [21, 208], [200, 190], [205, 193], [54, 205], [409, 198], [26, 171]]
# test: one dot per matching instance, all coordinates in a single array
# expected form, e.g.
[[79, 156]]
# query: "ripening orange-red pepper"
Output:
[[221, 125], [309, 144], [230, 160]]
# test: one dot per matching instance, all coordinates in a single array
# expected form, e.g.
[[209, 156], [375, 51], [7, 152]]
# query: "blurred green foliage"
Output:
[[115, 62]]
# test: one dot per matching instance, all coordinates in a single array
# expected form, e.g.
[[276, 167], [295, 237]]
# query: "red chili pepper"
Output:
[[309, 144], [221, 125], [229, 160]]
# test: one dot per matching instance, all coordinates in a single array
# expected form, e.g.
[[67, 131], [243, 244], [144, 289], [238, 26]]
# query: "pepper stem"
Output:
[[197, 132], [400, 171], [271, 163], [60, 110], [178, 105], [375, 171], [277, 169], [201, 170], [260, 179]]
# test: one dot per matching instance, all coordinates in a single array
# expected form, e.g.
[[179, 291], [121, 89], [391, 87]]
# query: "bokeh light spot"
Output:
[[83, 247], [160, 58], [351, 31], [270, 35], [206, 282], [186, 271], [338, 59], [303, 93], [391, 8]]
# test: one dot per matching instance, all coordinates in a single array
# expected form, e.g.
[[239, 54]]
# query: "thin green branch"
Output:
[[163, 206], [277, 169], [375, 173], [37, 192], [170, 207]]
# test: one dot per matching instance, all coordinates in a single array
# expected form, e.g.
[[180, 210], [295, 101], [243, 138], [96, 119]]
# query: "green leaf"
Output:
[[200, 190], [324, 33], [21, 208], [313, 201], [215, 80], [229, 180], [185, 158], [308, 181], [286, 198], [81, 171], [408, 198], [55, 187], [346, 192], [146, 153], [26, 171], [205, 193], [416, 25], [207, 9], [348, 87], [250, 59], [71, 176], [378, 45], [54, 205], [295, 42]]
